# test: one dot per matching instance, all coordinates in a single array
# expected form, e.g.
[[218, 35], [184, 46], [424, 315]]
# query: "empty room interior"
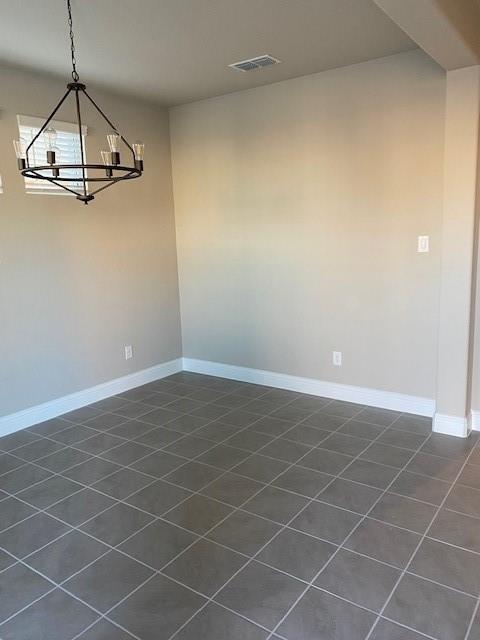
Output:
[[239, 320]]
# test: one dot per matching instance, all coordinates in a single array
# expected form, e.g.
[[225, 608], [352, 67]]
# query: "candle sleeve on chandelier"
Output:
[[50, 138], [19, 146], [138, 152]]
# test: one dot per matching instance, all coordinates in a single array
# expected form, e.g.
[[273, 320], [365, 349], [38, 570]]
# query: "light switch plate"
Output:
[[423, 244]]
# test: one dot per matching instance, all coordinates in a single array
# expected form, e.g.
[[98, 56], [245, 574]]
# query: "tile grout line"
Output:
[[116, 502], [154, 479], [187, 461], [158, 572], [164, 479], [472, 620], [203, 536], [477, 606], [187, 585], [423, 537], [233, 468], [126, 419], [155, 517], [121, 466], [341, 546], [116, 624], [182, 435], [282, 528]]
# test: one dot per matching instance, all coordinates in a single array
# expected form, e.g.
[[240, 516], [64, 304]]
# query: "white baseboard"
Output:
[[475, 420], [451, 425], [371, 397], [53, 408]]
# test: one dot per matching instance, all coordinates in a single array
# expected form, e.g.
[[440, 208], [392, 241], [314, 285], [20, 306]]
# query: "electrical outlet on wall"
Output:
[[337, 358], [128, 352]]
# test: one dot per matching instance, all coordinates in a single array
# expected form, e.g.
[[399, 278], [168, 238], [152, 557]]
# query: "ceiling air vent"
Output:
[[254, 63]]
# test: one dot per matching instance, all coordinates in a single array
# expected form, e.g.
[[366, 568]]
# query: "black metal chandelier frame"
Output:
[[113, 172]]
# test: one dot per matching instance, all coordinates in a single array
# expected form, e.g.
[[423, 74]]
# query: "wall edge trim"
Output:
[[54, 408], [475, 420], [451, 425], [371, 397]]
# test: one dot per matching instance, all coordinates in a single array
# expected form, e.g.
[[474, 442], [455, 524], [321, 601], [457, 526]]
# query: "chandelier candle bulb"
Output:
[[113, 140], [107, 161], [50, 137], [19, 146], [138, 152]]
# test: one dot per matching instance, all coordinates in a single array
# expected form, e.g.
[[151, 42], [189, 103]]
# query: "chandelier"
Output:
[[110, 171]]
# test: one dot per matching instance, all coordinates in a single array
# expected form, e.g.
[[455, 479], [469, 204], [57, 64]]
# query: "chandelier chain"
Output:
[[75, 75]]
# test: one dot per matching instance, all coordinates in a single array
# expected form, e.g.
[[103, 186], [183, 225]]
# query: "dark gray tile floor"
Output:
[[202, 508]]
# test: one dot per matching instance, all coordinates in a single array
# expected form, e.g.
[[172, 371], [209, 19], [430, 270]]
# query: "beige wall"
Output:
[[475, 328], [77, 282], [297, 210], [458, 232]]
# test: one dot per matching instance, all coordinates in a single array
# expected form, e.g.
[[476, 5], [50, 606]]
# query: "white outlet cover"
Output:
[[337, 358], [423, 244], [128, 352]]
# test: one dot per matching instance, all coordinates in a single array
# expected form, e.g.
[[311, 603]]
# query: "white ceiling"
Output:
[[176, 51]]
